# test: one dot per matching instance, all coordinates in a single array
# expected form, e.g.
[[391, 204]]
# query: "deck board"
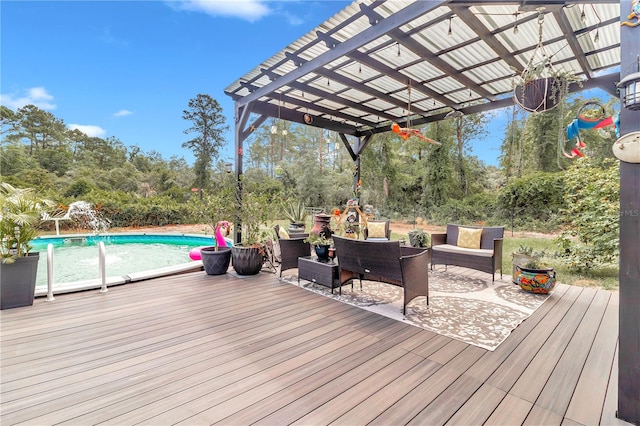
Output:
[[197, 349]]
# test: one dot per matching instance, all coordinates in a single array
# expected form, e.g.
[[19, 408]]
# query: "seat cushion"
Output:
[[449, 248], [469, 237], [282, 233], [377, 230]]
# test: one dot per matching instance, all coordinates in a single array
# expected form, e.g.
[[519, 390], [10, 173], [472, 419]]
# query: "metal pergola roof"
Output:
[[375, 61]]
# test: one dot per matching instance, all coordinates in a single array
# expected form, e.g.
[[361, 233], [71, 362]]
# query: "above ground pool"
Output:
[[76, 257]]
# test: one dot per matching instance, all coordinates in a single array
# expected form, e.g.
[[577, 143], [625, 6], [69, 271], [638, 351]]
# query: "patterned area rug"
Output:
[[470, 310]]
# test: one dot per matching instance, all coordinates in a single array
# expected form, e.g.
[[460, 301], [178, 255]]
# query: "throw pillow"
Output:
[[469, 237], [282, 233], [377, 229]]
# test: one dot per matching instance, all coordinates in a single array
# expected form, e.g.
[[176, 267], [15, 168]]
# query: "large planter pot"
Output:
[[215, 262], [18, 281], [536, 95], [540, 281], [247, 260]]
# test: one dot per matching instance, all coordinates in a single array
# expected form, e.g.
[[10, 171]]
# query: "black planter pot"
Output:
[[18, 281], [296, 229], [536, 95], [215, 262], [322, 251], [246, 260]]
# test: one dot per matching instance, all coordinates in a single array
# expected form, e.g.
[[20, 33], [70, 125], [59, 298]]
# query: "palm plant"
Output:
[[20, 212]]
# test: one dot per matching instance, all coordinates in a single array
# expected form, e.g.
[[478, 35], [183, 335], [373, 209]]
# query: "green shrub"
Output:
[[592, 211], [533, 202]]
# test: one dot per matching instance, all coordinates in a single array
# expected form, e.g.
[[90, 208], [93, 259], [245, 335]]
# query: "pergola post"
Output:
[[354, 153], [629, 275]]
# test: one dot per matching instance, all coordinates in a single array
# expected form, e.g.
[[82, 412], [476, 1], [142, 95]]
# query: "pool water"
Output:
[[75, 258]]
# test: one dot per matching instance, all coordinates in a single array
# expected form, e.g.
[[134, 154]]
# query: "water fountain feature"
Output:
[[86, 216], [83, 214]]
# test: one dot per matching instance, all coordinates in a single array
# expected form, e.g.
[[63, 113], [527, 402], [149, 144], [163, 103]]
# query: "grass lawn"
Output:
[[605, 277]]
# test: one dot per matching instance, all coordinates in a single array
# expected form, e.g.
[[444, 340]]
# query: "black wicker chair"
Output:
[[291, 249]]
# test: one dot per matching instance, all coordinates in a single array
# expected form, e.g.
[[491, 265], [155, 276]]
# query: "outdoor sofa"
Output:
[[384, 261], [448, 249]]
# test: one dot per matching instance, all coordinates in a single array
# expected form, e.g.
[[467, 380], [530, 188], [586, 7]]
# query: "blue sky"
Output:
[[128, 69]]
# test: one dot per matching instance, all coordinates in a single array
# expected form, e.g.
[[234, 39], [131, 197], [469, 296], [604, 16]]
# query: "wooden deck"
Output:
[[197, 349]]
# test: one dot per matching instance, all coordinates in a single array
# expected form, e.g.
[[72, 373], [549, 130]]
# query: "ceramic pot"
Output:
[[322, 251], [321, 221]]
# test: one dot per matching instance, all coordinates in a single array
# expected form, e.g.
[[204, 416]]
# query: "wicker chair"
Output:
[[291, 249]]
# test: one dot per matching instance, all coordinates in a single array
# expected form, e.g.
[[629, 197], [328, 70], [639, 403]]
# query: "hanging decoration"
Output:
[[407, 132], [308, 119], [591, 115], [635, 13]]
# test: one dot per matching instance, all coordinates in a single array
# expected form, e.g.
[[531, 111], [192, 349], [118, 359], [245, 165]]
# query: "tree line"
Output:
[[408, 180]]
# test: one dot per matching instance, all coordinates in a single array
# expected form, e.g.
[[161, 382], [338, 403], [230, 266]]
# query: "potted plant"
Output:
[[418, 238], [216, 259], [297, 214], [531, 274], [254, 213], [321, 242], [541, 87], [213, 208], [20, 212]]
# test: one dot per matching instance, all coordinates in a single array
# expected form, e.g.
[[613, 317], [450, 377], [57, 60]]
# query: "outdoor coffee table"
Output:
[[323, 273]]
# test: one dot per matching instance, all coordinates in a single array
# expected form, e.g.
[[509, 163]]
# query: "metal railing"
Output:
[[101, 266]]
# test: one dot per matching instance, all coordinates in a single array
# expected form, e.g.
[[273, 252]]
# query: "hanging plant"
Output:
[[540, 86]]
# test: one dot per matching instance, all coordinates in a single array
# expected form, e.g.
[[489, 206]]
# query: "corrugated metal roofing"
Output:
[[365, 66]]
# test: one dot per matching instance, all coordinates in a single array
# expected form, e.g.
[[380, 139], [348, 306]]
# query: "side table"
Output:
[[323, 273]]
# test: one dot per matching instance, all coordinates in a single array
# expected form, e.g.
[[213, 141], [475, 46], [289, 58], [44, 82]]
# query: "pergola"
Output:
[[414, 62]]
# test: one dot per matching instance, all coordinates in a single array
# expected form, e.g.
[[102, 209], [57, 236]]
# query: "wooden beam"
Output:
[[394, 21], [629, 275]]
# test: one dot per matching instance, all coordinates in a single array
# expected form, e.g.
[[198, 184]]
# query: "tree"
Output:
[[208, 123], [41, 128]]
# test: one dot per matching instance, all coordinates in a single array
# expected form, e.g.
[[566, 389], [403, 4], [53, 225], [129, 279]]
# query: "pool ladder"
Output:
[[101, 266]]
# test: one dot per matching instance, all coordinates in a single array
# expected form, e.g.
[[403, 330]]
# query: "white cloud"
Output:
[[122, 113], [37, 96], [89, 130], [250, 10]]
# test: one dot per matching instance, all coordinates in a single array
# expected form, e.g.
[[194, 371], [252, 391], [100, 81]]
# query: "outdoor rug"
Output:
[[475, 311]]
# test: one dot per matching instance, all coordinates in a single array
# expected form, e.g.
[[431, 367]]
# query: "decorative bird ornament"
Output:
[[635, 13]]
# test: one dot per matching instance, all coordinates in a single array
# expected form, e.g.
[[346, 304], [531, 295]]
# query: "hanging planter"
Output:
[[536, 95], [540, 87]]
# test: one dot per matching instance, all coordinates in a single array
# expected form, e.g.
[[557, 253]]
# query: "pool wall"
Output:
[[40, 244]]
